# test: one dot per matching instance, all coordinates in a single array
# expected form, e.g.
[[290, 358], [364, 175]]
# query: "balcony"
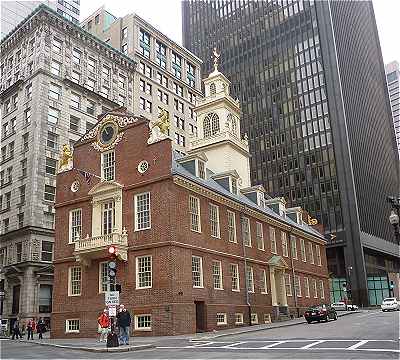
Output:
[[91, 248]]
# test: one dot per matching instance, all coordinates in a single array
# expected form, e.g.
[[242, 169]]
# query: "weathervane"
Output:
[[216, 57]]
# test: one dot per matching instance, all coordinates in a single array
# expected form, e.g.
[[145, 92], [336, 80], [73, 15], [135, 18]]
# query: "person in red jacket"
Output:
[[104, 322]]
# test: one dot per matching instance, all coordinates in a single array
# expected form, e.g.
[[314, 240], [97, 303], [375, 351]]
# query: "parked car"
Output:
[[320, 312], [390, 304], [341, 306]]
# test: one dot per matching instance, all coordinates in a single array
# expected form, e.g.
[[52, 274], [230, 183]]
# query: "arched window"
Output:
[[233, 121], [210, 125], [213, 89]]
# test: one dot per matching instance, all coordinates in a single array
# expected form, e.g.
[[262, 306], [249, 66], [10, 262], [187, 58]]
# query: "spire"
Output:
[[216, 58]]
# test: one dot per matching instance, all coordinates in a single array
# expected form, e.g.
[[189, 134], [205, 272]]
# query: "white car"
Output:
[[341, 306], [390, 304]]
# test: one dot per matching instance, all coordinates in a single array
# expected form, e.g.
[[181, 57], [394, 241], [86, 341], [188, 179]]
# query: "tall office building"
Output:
[[168, 75], [47, 100], [311, 81], [13, 12], [393, 81]]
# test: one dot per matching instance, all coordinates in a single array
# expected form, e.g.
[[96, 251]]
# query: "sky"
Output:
[[165, 15]]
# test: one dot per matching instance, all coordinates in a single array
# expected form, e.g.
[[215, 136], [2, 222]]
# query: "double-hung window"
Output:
[[108, 165], [197, 272], [161, 54], [75, 224], [177, 65], [194, 211], [103, 277], [76, 56], [217, 274], [297, 285], [284, 244], [318, 253], [288, 285], [231, 227], [214, 221], [53, 115], [74, 283], [142, 211], [250, 279], [315, 289], [191, 75], [303, 250], [246, 231], [311, 252], [259, 236], [321, 289], [144, 43], [144, 278], [273, 240], [307, 287], [54, 92], [293, 245], [108, 210], [263, 282], [234, 270]]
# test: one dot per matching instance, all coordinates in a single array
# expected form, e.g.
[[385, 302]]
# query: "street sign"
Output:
[[112, 298], [112, 310]]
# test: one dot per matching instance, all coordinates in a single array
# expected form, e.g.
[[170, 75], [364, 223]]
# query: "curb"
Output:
[[244, 331], [92, 349]]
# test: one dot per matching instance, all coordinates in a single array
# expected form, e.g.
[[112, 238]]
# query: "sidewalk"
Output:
[[143, 342]]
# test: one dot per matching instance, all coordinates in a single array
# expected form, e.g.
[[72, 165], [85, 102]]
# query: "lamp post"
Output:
[[348, 289], [394, 216]]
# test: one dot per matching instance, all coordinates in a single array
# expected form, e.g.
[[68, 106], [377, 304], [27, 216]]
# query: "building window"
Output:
[[178, 89], [143, 272], [179, 139], [179, 123], [52, 140], [311, 252], [191, 75], [321, 289], [307, 287], [214, 221], [197, 272], [213, 89], [194, 211], [53, 115], [221, 319], [162, 80], [315, 289], [254, 318], [144, 43], [250, 279], [318, 252], [72, 326], [284, 244], [24, 167], [124, 48], [179, 106], [211, 125], [124, 33], [25, 142], [55, 92], [91, 64], [74, 288], [47, 251], [3, 256], [6, 223], [20, 220], [75, 225], [108, 165], [293, 244], [238, 318], [27, 116], [263, 282], [143, 322], [56, 46], [76, 77], [303, 250], [103, 277], [246, 231], [297, 285], [75, 101], [21, 195], [259, 236], [231, 226], [288, 285], [51, 166], [28, 91], [177, 65], [142, 211], [76, 56], [145, 105], [161, 54], [55, 68], [49, 192], [108, 210], [105, 91], [217, 274]]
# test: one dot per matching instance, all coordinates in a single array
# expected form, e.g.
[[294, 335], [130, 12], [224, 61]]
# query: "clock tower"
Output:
[[218, 118]]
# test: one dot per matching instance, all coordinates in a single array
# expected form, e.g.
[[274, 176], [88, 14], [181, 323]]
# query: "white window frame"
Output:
[[138, 259], [234, 275], [260, 236], [315, 289], [67, 326], [264, 283], [107, 217], [321, 289], [272, 237], [110, 165], [214, 221], [311, 251], [70, 287], [103, 274], [138, 226], [200, 272], [71, 236], [303, 250], [250, 279], [144, 328], [217, 275], [254, 318], [231, 227], [288, 285], [318, 253], [224, 322], [194, 205], [238, 318], [307, 287], [246, 231], [297, 284], [285, 251], [293, 247]]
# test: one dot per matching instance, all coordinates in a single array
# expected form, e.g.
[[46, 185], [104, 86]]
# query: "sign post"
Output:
[[112, 301]]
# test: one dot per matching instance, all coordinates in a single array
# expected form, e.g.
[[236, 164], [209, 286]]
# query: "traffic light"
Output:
[[112, 264]]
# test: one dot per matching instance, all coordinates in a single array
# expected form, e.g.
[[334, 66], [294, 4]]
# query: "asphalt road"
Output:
[[368, 335]]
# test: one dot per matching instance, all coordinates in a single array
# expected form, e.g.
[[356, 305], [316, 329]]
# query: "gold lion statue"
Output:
[[163, 122], [65, 161]]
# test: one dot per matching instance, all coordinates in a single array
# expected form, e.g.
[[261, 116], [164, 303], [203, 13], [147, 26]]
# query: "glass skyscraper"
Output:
[[310, 79]]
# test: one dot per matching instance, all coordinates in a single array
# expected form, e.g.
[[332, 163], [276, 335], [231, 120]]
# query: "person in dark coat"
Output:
[[16, 332], [124, 323], [41, 328], [31, 327]]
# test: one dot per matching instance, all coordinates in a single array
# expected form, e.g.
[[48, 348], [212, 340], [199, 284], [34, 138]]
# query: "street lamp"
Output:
[[394, 216]]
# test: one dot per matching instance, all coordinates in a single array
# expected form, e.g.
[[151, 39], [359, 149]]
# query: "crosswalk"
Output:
[[391, 346]]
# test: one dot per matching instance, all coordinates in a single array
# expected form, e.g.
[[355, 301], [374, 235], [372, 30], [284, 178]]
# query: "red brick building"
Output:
[[185, 228]]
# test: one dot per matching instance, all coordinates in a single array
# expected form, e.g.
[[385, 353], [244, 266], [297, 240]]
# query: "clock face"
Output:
[[108, 133]]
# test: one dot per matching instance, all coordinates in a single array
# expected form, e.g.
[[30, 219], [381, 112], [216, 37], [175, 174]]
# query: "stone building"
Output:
[[199, 248], [168, 75], [55, 80]]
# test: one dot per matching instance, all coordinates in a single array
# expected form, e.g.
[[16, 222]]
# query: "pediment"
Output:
[[105, 187], [278, 262]]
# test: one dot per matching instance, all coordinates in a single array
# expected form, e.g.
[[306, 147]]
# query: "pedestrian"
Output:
[[41, 328], [16, 331], [124, 322], [31, 326], [104, 322]]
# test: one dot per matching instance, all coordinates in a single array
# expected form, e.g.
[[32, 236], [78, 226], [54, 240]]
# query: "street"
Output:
[[367, 335]]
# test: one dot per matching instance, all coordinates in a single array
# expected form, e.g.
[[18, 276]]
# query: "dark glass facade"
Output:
[[310, 79]]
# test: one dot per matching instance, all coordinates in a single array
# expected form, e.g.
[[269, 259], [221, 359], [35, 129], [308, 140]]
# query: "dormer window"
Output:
[[211, 125], [201, 173], [234, 187], [213, 89]]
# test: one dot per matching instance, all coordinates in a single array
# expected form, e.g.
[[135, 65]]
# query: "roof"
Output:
[[209, 183]]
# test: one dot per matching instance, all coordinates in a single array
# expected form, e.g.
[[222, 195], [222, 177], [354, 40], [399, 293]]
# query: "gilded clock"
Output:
[[108, 133]]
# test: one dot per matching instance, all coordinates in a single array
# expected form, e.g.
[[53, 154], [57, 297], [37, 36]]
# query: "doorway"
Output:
[[200, 316]]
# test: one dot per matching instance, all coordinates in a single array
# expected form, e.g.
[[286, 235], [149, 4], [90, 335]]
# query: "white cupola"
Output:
[[218, 123]]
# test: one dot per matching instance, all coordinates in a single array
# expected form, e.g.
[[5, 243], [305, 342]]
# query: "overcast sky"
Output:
[[165, 15]]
